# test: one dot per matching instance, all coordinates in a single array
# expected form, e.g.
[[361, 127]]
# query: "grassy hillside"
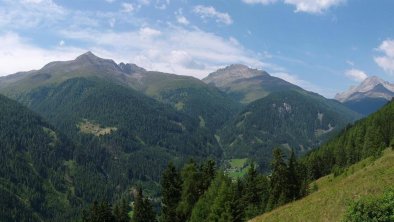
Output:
[[330, 201]]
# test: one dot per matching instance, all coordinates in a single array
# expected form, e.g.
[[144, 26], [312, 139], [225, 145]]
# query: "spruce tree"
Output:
[[294, 181], [121, 210], [190, 190], [142, 210], [171, 194], [278, 181], [100, 212]]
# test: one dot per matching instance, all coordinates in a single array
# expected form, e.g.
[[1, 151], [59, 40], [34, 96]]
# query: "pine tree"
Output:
[[278, 181], [208, 172], [294, 181], [190, 190], [171, 194], [121, 211], [255, 192], [100, 212], [142, 210]]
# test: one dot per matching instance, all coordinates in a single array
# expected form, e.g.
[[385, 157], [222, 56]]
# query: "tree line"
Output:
[[202, 192]]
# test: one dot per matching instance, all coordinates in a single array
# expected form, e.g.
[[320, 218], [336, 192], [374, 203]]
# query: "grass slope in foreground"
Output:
[[334, 194]]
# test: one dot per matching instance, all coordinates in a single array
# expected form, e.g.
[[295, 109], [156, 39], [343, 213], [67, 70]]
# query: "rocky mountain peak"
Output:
[[373, 87], [232, 73]]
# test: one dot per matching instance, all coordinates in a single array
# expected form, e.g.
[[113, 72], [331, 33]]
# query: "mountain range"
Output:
[[367, 97], [125, 123]]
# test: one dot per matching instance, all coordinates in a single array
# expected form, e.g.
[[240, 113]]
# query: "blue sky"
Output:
[[322, 45]]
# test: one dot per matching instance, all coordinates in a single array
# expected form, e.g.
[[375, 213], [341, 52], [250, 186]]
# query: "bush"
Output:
[[336, 170], [376, 209]]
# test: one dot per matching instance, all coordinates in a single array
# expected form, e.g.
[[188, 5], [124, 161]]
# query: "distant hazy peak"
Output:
[[232, 73], [370, 87]]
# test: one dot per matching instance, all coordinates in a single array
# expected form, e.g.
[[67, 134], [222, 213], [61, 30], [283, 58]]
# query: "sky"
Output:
[[324, 46]]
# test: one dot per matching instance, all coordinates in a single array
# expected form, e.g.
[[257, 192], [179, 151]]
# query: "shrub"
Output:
[[376, 209]]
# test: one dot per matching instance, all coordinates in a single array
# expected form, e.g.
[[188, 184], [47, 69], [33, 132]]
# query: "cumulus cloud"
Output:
[[206, 12], [308, 6], [313, 6], [386, 61], [264, 2], [173, 49], [356, 75], [127, 7], [180, 18], [169, 48]]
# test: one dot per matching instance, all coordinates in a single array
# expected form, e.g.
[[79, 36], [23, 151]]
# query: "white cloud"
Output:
[[386, 61], [144, 2], [206, 12], [112, 22], [172, 49], [294, 79], [127, 7], [18, 54], [313, 6], [162, 4], [147, 32], [356, 75], [349, 62], [264, 2], [180, 18], [110, 1], [30, 13], [308, 6]]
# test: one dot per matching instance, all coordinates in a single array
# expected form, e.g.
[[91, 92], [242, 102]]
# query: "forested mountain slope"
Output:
[[35, 179], [191, 96], [133, 136], [367, 137], [361, 143], [288, 119]]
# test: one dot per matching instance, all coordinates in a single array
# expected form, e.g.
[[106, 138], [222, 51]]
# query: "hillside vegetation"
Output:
[[370, 177], [35, 183]]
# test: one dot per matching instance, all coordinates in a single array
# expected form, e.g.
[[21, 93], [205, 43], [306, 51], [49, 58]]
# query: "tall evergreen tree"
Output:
[[171, 194], [190, 190], [142, 210], [278, 181], [255, 192], [121, 210], [100, 212], [208, 172], [294, 180]]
